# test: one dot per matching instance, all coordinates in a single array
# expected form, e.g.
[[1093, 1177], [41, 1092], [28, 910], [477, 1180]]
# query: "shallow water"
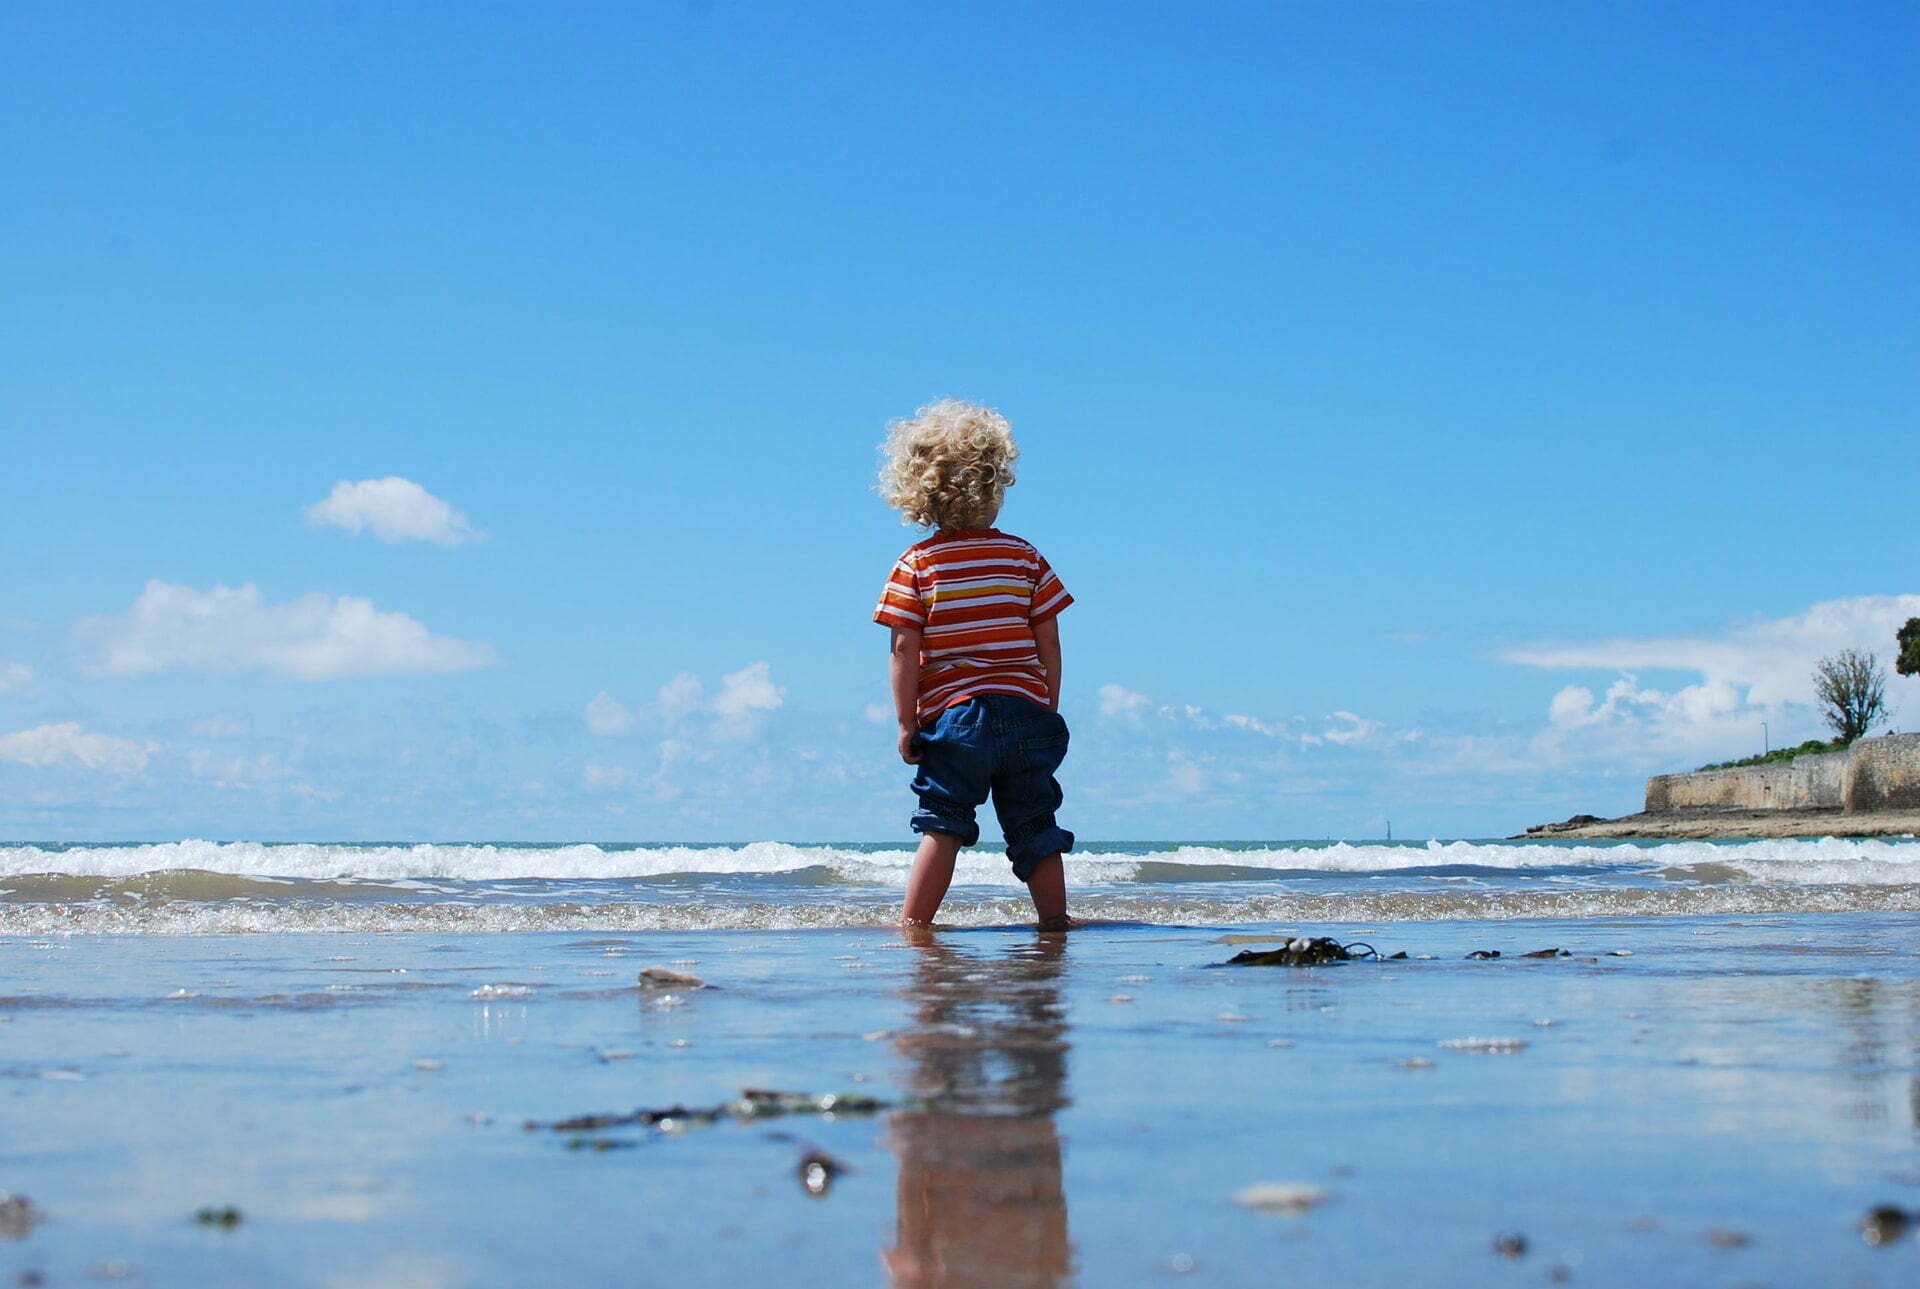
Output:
[[1717, 1108], [209, 887]]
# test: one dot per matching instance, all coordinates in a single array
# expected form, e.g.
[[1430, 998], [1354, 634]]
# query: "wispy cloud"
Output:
[[1118, 700], [681, 696], [1760, 669], [15, 678], [1769, 659], [735, 709], [746, 695], [312, 637], [394, 510], [607, 715], [49, 745]]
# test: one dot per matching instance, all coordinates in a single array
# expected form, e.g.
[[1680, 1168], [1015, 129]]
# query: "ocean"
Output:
[[224, 887], [1689, 1063]]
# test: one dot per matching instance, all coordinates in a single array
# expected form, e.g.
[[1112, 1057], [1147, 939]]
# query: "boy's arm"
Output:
[[903, 668], [1046, 642]]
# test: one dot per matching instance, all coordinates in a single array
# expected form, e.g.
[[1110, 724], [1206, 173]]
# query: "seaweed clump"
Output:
[[1303, 951]]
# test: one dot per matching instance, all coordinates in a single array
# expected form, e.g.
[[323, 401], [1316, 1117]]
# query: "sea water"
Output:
[[1713, 1084], [196, 886]]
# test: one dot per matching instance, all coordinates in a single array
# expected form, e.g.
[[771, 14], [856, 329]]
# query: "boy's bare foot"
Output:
[[1058, 922]]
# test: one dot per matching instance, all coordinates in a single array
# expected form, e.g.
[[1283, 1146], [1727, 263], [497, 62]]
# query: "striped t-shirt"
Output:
[[974, 595]]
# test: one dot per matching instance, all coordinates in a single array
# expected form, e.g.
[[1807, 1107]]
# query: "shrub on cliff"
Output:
[[1780, 755], [1852, 687], [1908, 663]]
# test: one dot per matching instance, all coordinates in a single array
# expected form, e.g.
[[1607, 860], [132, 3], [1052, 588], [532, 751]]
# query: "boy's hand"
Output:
[[908, 752]]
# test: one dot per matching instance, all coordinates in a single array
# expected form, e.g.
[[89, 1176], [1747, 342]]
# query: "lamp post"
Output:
[[1766, 739]]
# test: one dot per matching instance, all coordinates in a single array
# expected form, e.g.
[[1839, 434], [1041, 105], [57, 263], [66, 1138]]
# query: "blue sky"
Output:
[[1443, 413]]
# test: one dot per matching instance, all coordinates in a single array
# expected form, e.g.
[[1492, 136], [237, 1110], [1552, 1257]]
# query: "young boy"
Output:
[[975, 658]]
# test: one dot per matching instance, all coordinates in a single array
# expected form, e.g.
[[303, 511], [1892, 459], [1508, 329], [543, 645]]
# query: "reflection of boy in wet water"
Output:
[[975, 658], [980, 1200]]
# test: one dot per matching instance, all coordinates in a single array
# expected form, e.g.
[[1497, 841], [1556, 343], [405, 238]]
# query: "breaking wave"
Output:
[[208, 887], [247, 917], [1793, 861]]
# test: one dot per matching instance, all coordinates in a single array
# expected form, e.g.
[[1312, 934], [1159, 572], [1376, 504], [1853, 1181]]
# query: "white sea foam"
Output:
[[176, 917], [1797, 862]]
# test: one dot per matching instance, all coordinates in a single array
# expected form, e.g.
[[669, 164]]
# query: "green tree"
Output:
[[1908, 663], [1852, 687]]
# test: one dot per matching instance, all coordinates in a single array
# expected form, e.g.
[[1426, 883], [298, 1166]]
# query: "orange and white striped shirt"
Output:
[[974, 595]]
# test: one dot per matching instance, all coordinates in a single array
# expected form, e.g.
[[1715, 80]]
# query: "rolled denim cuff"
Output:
[[1031, 850], [926, 821]]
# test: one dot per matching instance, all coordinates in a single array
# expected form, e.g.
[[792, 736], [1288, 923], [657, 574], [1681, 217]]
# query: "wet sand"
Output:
[[1720, 1107]]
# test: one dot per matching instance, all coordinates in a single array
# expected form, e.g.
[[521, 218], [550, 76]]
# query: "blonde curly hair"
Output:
[[949, 465]]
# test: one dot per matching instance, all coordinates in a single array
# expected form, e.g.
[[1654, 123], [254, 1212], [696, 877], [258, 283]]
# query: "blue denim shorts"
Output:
[[999, 745]]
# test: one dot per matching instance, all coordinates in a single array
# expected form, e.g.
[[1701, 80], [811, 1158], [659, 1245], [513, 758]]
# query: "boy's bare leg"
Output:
[[1048, 887], [932, 874]]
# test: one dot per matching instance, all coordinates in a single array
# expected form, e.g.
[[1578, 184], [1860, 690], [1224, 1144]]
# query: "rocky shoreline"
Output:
[[1702, 822]]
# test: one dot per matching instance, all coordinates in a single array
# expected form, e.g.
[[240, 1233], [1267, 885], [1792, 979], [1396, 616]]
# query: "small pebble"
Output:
[[18, 1215], [1279, 1197], [667, 978], [225, 1217], [1496, 1045], [817, 1171], [1884, 1224], [1510, 1244]]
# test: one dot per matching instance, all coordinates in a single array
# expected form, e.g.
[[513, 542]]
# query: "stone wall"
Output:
[[1873, 774], [1804, 783], [1883, 774]]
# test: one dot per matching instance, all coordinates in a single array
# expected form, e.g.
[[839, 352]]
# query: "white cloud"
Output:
[[222, 726], [606, 715], [1753, 671], [1250, 723], [1183, 775], [1352, 729], [395, 509], [604, 778], [680, 696], [878, 713], [15, 677], [1118, 700], [235, 771], [47, 745], [313, 637], [744, 695], [1771, 659]]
